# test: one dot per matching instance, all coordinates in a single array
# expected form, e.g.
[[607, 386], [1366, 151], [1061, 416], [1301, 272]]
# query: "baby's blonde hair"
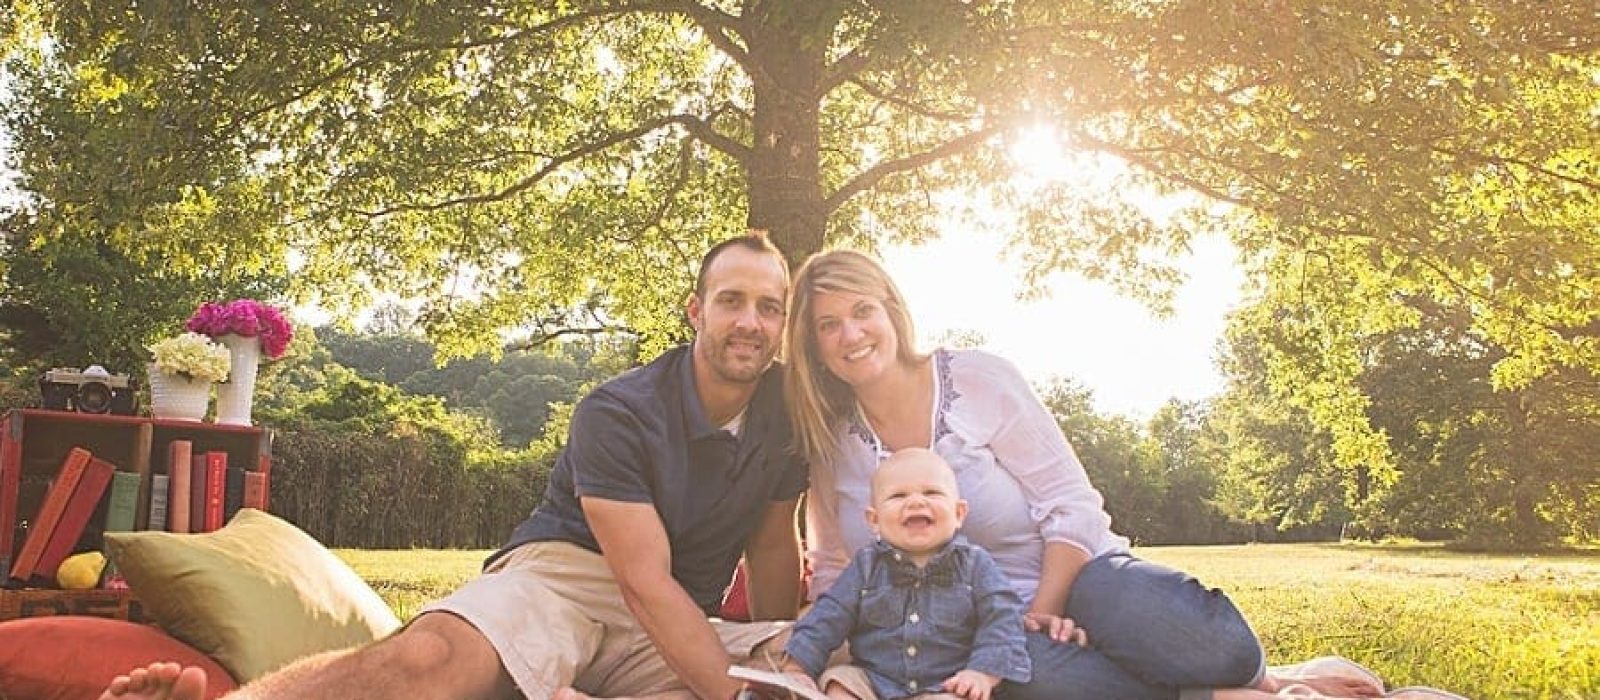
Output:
[[913, 456]]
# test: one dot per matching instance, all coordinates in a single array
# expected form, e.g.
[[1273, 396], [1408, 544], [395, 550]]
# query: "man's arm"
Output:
[[772, 560], [635, 545]]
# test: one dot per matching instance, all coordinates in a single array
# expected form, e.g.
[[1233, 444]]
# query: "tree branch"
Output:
[[680, 180], [875, 174], [712, 21], [908, 105], [543, 337], [843, 70], [690, 122], [717, 26], [1507, 160], [702, 129]]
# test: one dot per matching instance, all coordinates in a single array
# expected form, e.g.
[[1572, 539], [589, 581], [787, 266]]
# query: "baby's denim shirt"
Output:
[[911, 629]]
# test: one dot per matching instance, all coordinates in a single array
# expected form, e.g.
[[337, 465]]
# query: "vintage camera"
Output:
[[92, 390]]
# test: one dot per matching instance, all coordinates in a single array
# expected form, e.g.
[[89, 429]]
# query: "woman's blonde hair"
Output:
[[820, 404]]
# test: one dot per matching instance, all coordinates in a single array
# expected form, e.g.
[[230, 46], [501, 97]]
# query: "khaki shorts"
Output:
[[555, 615], [856, 680]]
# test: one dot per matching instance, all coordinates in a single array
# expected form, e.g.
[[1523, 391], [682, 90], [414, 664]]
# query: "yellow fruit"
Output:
[[81, 571]]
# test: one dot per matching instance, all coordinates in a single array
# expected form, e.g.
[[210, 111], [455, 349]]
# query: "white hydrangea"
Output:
[[192, 356]]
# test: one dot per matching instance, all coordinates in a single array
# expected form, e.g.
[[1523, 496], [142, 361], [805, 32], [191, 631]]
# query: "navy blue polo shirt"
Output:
[[643, 437]]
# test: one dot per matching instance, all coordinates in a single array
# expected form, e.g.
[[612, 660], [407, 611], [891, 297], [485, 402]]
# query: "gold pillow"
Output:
[[255, 595]]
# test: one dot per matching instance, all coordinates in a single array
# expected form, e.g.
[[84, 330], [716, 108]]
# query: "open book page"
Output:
[[772, 684]]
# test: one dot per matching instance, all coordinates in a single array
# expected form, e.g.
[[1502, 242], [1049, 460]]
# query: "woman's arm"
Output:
[[1028, 444], [1058, 570], [825, 548]]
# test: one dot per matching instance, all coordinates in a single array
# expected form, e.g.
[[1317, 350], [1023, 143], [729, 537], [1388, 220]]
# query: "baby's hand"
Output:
[[972, 685], [1056, 627]]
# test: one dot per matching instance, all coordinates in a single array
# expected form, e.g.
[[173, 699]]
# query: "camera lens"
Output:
[[93, 397]]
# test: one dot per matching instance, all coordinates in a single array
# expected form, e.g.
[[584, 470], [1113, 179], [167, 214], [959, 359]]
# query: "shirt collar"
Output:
[[694, 412], [948, 550]]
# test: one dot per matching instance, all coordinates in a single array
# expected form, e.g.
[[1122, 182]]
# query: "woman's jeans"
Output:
[[1153, 632]]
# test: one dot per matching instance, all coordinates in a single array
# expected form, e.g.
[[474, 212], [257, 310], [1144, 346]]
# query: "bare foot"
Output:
[[158, 681], [569, 694], [1333, 676]]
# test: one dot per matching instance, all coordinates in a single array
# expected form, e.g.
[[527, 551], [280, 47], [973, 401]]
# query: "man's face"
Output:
[[738, 322]]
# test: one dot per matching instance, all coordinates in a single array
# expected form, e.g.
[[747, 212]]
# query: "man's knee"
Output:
[[434, 642]]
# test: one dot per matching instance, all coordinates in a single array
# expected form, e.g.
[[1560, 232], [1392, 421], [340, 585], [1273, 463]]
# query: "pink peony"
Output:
[[246, 317]]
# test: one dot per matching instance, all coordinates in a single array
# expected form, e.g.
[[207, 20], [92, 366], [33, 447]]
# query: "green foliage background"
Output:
[[1413, 186]]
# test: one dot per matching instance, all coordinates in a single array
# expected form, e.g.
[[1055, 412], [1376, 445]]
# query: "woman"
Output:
[[1103, 624]]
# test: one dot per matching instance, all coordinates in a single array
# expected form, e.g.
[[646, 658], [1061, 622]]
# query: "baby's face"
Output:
[[915, 503]]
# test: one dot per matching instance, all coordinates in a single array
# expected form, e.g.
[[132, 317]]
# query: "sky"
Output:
[[1131, 360]]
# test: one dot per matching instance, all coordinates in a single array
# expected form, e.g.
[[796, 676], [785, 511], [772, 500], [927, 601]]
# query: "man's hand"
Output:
[[1056, 627], [972, 685], [636, 548]]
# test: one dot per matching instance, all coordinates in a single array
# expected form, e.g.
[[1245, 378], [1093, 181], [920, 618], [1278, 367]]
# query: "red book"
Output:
[[197, 493], [179, 458], [50, 510], [255, 490], [216, 487], [75, 518]]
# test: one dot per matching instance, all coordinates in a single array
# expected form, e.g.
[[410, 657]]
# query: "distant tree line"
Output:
[[377, 447]]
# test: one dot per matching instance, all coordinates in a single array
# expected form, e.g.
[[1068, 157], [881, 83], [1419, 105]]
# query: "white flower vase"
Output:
[[175, 397], [235, 396]]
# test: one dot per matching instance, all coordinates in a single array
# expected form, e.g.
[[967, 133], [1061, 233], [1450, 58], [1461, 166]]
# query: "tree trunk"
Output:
[[1527, 527], [788, 43]]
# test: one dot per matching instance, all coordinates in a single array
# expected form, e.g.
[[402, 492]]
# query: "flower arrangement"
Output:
[[192, 356], [245, 317]]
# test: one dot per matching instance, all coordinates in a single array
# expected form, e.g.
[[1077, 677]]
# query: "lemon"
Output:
[[81, 571]]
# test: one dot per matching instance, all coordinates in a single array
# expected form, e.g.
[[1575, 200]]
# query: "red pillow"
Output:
[[71, 657], [736, 600]]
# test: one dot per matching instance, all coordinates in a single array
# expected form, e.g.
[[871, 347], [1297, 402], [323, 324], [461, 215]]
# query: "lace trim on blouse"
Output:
[[944, 394], [947, 395]]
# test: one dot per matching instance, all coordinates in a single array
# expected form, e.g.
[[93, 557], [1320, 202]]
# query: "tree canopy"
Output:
[[557, 167], [519, 163]]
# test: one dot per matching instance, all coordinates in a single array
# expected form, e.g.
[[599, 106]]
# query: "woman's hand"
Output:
[[970, 684], [1056, 627]]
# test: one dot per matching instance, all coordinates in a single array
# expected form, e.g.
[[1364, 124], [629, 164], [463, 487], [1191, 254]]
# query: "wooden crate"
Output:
[[36, 602], [33, 442]]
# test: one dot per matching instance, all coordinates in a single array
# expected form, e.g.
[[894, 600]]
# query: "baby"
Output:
[[925, 611]]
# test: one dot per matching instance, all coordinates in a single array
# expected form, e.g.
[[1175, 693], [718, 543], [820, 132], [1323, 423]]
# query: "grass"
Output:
[[1486, 626]]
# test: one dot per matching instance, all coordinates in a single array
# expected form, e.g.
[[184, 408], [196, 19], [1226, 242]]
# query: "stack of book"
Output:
[[196, 492]]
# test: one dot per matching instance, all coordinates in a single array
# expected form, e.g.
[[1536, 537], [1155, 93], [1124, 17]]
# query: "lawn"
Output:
[[1490, 627]]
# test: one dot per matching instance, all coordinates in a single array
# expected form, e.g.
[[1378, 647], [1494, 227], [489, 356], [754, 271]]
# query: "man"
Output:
[[671, 472]]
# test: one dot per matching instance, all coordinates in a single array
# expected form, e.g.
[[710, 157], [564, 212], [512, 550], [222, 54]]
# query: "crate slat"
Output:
[[37, 602]]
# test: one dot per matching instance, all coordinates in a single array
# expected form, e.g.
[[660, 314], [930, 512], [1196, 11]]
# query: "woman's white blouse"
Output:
[[1022, 481]]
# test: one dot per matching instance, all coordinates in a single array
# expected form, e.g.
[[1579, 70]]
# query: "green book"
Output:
[[123, 503]]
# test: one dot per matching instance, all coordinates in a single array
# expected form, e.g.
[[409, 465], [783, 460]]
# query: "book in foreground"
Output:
[[772, 684], [50, 511], [75, 517]]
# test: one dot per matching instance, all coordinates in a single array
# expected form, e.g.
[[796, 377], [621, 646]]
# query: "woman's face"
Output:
[[855, 340]]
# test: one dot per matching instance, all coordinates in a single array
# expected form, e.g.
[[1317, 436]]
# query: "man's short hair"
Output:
[[755, 240]]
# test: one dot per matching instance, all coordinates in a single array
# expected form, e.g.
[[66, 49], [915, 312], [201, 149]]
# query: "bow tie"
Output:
[[938, 573]]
